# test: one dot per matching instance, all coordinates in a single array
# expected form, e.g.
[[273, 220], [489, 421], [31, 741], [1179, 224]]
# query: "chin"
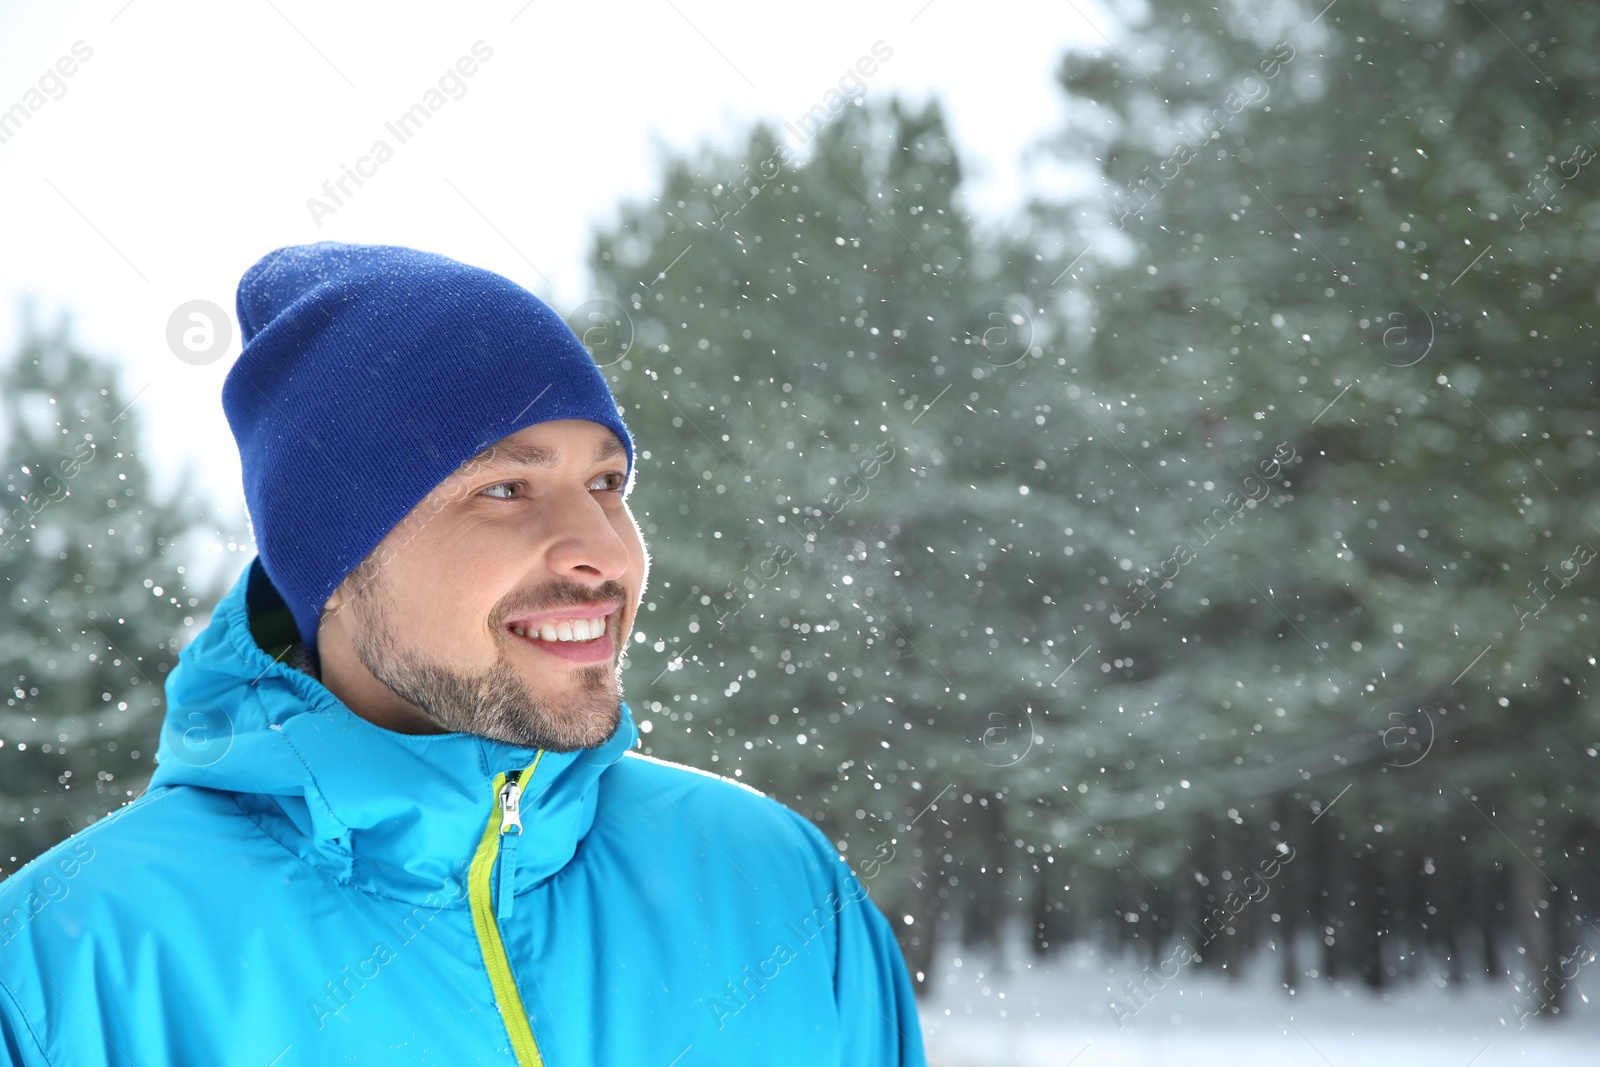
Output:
[[583, 713]]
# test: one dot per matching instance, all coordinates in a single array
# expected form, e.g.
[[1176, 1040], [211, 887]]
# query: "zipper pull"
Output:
[[510, 807], [510, 816]]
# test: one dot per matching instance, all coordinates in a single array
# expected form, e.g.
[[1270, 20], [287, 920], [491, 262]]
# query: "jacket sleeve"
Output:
[[877, 1008], [17, 1045]]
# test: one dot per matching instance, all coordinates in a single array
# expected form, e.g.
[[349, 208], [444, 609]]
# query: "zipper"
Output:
[[510, 816], [485, 895]]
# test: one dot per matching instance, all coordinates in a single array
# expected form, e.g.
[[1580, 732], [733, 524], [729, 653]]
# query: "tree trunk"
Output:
[[1533, 899]]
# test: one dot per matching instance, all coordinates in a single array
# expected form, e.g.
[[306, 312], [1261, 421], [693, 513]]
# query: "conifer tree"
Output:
[[94, 597]]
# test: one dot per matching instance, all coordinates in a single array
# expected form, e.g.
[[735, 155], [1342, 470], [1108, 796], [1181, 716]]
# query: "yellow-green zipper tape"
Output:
[[480, 879]]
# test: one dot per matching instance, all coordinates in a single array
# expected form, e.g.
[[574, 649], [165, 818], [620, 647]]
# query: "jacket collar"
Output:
[[389, 813]]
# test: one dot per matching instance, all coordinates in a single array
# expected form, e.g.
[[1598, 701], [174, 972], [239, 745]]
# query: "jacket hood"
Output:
[[389, 813]]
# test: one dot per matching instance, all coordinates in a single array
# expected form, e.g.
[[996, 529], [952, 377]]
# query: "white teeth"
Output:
[[564, 630]]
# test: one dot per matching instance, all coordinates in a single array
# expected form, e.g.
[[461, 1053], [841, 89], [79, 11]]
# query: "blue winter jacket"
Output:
[[299, 886]]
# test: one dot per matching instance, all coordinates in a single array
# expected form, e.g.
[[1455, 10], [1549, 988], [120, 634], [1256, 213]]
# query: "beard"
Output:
[[494, 702]]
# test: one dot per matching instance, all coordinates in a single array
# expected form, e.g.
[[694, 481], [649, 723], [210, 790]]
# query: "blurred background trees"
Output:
[[1222, 500], [93, 596], [1235, 499]]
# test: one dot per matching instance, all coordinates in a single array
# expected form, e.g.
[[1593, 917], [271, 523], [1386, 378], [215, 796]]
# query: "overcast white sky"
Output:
[[186, 146]]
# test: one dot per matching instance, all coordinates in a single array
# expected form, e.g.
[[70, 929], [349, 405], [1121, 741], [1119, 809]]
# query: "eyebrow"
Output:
[[521, 454]]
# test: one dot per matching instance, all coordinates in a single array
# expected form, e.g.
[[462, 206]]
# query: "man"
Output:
[[395, 818]]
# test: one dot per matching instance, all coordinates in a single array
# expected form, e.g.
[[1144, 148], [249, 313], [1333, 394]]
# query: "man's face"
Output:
[[529, 536]]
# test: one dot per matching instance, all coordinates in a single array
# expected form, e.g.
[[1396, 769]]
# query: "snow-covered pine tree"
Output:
[[94, 599]]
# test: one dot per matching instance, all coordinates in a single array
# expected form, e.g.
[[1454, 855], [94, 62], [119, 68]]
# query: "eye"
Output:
[[618, 484], [503, 485]]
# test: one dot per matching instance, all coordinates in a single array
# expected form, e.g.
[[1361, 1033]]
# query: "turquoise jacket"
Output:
[[299, 886]]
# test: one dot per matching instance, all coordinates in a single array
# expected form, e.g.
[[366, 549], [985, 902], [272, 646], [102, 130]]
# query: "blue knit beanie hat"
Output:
[[369, 374]]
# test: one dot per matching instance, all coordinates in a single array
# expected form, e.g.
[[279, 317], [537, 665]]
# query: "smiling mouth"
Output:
[[564, 631]]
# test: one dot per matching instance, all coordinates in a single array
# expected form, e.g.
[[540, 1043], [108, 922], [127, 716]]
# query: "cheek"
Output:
[[440, 593], [638, 557], [626, 529], [637, 552]]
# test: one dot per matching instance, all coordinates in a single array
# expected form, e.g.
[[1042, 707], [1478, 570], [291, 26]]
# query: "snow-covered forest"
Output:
[[1181, 594]]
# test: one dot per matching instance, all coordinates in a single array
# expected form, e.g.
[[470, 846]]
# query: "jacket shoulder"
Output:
[[107, 881], [150, 849], [46, 875], [665, 800]]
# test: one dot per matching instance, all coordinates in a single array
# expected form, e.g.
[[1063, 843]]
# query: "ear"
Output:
[[336, 601]]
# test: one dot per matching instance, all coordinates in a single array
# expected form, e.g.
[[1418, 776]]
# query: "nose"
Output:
[[587, 543]]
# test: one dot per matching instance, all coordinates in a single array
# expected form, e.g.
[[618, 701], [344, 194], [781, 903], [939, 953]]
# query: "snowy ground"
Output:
[[1016, 1011]]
